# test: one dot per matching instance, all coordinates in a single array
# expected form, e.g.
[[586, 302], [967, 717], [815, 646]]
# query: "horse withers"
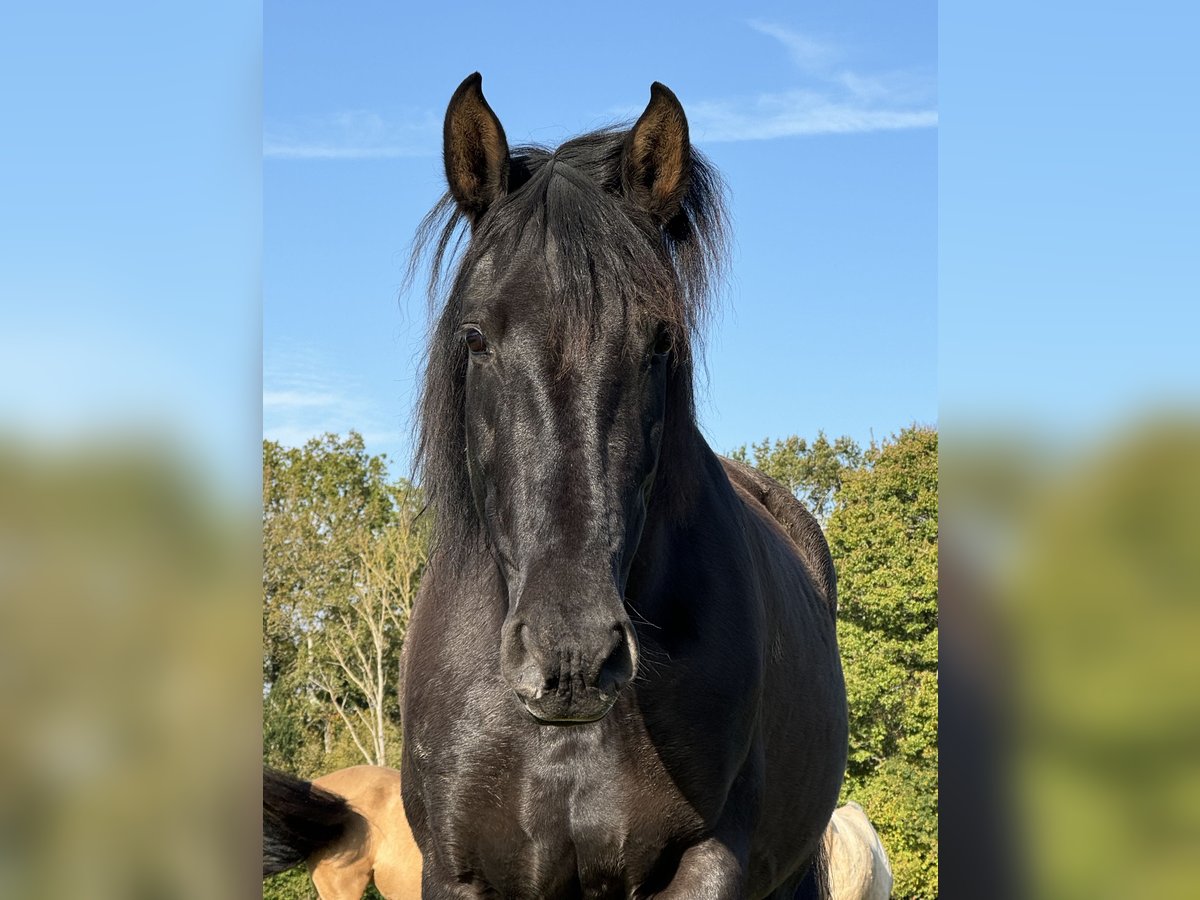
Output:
[[621, 676]]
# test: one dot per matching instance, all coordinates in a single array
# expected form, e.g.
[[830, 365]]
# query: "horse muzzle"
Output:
[[568, 679]]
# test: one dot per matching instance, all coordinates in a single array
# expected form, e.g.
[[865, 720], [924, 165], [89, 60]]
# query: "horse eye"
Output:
[[663, 343], [476, 342]]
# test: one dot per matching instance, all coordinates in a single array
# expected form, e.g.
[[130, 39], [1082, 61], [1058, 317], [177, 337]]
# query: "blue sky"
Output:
[[130, 228], [1069, 292], [138, 217], [822, 120]]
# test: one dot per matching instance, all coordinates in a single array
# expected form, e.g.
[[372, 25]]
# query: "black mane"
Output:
[[569, 197]]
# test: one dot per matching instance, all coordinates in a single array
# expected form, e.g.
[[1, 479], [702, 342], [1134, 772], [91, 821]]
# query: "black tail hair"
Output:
[[298, 820], [815, 884]]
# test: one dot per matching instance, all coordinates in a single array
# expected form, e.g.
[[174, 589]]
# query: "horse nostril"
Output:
[[521, 664], [617, 668]]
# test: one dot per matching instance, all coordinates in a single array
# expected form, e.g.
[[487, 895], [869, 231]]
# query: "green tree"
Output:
[[343, 551], [811, 470], [883, 533]]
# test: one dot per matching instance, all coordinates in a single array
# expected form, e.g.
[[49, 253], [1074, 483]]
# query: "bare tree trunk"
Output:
[[361, 633]]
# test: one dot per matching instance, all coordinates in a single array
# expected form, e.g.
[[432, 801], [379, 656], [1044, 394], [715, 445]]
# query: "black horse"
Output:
[[621, 677]]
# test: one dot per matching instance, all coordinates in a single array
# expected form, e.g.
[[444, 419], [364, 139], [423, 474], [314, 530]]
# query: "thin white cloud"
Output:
[[806, 52], [895, 88], [797, 113], [835, 99], [298, 399], [276, 149], [354, 134], [305, 395]]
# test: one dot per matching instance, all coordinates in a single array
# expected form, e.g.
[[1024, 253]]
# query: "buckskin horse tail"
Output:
[[298, 820]]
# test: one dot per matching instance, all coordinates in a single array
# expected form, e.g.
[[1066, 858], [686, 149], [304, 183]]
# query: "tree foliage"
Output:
[[343, 552], [883, 533]]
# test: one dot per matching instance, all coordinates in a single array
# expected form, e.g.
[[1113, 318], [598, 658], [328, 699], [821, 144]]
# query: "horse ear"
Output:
[[475, 150], [658, 156]]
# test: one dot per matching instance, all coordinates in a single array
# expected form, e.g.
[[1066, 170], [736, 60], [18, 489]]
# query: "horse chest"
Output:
[[570, 816]]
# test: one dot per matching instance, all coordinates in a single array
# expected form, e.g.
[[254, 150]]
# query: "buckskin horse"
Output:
[[621, 675], [347, 827]]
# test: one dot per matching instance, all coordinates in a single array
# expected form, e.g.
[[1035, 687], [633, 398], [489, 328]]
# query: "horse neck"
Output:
[[689, 485]]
